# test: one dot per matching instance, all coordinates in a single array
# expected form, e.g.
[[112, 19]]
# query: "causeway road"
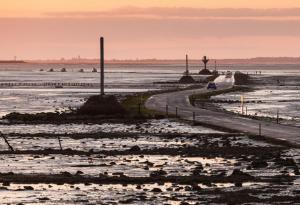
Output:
[[180, 100]]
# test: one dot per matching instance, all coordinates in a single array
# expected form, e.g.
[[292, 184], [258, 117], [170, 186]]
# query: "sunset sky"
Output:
[[163, 29]]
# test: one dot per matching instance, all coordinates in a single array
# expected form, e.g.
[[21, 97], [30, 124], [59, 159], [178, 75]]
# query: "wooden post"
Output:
[[167, 110], [194, 117], [59, 141], [139, 108], [277, 118], [6, 141], [242, 104], [176, 112], [140, 104]]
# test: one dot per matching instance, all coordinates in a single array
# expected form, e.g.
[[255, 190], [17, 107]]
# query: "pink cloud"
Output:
[[133, 37]]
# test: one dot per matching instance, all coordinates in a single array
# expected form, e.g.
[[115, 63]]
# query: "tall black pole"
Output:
[[187, 65], [102, 65]]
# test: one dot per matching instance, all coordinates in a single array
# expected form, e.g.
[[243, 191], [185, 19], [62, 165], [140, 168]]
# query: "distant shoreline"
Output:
[[252, 61], [11, 61]]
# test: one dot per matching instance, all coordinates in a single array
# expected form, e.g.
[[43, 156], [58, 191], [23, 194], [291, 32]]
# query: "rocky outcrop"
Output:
[[101, 105], [187, 79], [241, 78]]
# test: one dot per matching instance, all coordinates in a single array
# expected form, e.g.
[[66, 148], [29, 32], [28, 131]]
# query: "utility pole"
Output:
[[277, 117], [215, 65], [167, 110], [102, 66]]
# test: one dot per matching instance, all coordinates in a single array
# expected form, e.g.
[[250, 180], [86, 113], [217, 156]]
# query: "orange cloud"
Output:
[[183, 12], [35, 8]]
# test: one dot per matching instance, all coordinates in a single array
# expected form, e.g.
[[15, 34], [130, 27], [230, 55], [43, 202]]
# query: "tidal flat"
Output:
[[158, 161]]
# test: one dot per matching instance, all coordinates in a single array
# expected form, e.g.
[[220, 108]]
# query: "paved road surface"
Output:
[[180, 100]]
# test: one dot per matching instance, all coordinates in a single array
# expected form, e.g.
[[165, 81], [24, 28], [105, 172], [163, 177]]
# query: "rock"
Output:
[[288, 162], [156, 190], [207, 183], [102, 175], [195, 187], [6, 184], [198, 170], [28, 188], [135, 149], [150, 164], [44, 199], [259, 164], [158, 173], [79, 173], [188, 188], [205, 72], [221, 173], [187, 79], [101, 105], [66, 174], [239, 173], [118, 174], [241, 78], [169, 189], [127, 201]]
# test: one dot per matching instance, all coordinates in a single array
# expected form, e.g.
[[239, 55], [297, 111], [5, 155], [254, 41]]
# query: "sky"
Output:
[[143, 29]]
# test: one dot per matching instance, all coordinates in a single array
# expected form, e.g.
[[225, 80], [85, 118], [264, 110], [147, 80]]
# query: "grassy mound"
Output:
[[186, 79], [205, 72], [101, 105]]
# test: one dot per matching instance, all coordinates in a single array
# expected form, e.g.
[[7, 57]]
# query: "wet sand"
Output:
[[146, 165]]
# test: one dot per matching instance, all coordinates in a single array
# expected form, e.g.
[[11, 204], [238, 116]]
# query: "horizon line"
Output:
[[151, 59]]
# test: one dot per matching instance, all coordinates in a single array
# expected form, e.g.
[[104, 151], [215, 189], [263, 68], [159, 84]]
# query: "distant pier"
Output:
[[47, 84]]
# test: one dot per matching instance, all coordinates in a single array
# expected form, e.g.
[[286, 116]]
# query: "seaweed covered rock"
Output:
[[101, 105], [241, 78], [44, 116], [186, 79], [205, 71]]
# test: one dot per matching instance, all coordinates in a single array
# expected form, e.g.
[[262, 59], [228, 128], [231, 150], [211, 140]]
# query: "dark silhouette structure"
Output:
[[205, 61], [215, 71], [101, 66], [205, 71], [103, 104], [186, 78], [187, 65]]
